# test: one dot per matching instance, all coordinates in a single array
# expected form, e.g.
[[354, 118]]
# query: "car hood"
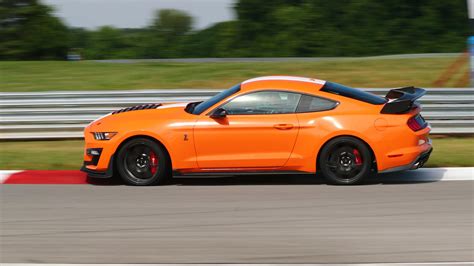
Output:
[[140, 114], [150, 106]]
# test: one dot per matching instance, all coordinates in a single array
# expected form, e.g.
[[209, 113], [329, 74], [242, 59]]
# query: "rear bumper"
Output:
[[421, 160], [417, 163]]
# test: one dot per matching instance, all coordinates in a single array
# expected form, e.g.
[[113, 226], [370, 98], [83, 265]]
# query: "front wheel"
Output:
[[142, 162], [345, 161]]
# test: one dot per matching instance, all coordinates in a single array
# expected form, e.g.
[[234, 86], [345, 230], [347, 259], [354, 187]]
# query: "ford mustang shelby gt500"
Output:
[[263, 125]]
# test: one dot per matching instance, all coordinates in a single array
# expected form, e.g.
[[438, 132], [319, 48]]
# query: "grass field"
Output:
[[89, 75], [68, 154]]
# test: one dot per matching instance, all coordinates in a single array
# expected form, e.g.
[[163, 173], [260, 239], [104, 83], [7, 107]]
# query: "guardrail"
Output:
[[61, 115]]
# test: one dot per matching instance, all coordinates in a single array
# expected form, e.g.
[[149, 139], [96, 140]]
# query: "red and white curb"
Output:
[[43, 177], [5, 174], [78, 177]]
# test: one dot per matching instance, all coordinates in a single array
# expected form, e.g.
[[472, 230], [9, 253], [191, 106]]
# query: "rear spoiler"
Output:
[[401, 100]]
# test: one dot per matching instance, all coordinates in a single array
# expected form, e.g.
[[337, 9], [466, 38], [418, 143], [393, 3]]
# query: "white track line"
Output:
[[432, 174], [213, 264]]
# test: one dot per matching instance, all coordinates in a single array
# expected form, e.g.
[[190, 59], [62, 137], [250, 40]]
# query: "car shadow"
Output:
[[248, 180], [426, 175], [423, 175]]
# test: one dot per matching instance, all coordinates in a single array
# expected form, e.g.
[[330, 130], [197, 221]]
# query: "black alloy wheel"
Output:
[[345, 161], [143, 162]]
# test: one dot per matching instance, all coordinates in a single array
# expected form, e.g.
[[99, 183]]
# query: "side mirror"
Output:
[[219, 113]]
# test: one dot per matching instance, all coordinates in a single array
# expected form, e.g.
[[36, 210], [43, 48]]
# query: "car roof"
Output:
[[311, 86], [299, 84], [285, 78]]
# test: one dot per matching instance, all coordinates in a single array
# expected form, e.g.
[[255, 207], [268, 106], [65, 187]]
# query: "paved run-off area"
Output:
[[265, 219]]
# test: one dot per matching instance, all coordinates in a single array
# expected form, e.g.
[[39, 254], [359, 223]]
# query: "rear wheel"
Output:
[[142, 162], [345, 161]]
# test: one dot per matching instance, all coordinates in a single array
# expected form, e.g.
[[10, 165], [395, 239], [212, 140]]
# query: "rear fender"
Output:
[[346, 134]]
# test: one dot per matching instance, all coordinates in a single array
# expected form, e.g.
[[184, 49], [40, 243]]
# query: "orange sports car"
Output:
[[274, 124]]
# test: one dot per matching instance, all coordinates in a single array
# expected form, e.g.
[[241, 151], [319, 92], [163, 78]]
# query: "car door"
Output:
[[259, 130]]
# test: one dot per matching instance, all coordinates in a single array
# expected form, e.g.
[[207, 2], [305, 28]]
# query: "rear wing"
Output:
[[402, 100]]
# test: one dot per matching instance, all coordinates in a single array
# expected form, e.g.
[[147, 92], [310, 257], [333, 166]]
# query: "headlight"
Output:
[[104, 135]]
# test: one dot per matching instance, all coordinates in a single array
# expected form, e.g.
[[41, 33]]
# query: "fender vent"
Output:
[[138, 107]]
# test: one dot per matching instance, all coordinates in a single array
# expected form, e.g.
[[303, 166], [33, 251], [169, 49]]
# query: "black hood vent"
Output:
[[138, 107]]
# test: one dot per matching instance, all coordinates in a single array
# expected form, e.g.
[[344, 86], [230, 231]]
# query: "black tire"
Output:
[[143, 162], [345, 161]]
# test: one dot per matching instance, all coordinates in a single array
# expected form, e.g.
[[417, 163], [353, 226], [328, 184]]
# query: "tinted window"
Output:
[[215, 99], [263, 102], [315, 104], [352, 93]]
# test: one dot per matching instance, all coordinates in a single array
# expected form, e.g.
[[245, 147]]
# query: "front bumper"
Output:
[[99, 174], [98, 156]]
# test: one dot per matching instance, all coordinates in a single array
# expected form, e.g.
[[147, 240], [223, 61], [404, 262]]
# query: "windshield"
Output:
[[203, 106]]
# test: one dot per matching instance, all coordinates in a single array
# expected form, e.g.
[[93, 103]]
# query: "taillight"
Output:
[[416, 123]]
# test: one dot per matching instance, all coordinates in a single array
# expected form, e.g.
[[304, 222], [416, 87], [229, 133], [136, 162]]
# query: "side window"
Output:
[[263, 102], [315, 104]]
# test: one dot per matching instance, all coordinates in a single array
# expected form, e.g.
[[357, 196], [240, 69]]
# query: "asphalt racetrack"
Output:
[[260, 219]]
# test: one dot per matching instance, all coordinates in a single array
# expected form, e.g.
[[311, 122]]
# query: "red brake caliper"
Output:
[[153, 163], [358, 158]]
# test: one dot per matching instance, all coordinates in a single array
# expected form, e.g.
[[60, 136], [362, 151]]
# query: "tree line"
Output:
[[278, 28]]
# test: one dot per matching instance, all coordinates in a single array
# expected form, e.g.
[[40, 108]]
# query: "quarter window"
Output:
[[263, 102], [315, 104]]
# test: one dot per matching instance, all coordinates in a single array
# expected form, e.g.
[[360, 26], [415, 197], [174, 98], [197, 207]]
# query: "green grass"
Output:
[[89, 75], [44, 155], [68, 154], [452, 152]]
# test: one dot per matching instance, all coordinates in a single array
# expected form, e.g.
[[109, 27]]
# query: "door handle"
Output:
[[283, 126]]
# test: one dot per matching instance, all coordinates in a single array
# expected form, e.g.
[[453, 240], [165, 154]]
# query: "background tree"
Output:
[[351, 27], [106, 42], [29, 31], [218, 40], [282, 28], [167, 31]]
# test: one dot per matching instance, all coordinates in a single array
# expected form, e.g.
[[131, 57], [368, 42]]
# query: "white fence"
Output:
[[59, 115]]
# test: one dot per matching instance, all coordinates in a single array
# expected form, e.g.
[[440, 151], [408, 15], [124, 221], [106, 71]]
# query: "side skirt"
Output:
[[177, 173]]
